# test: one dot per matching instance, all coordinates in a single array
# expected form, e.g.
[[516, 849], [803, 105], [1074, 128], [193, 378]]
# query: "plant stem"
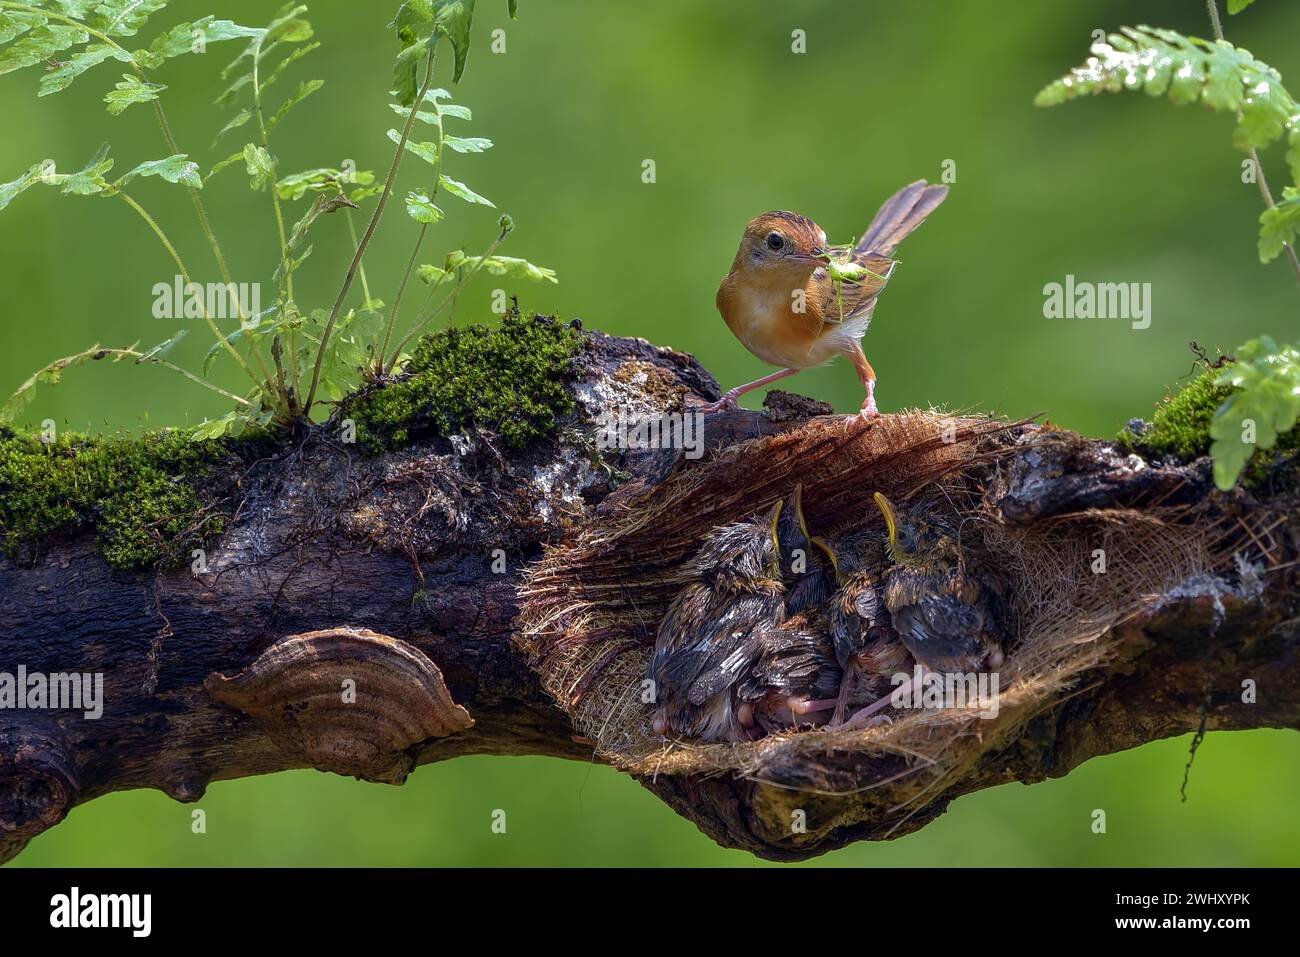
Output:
[[460, 284], [352, 231], [397, 299], [289, 396], [1217, 26], [143, 357], [419, 241], [185, 276], [163, 125], [369, 234]]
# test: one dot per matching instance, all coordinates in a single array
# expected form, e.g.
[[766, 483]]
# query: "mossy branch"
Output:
[[311, 538]]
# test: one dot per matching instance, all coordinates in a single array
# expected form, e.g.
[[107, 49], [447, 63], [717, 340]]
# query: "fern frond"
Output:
[[1186, 69], [1266, 404], [1280, 226]]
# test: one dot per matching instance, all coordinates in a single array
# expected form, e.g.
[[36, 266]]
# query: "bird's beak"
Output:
[[797, 495], [817, 257], [773, 519], [830, 553], [891, 519]]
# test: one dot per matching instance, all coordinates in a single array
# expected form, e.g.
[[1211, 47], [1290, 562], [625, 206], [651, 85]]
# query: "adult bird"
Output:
[[779, 299]]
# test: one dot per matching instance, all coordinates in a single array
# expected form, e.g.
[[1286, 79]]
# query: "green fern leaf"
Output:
[[421, 208], [463, 192], [503, 266], [191, 37], [226, 163], [292, 58], [84, 182], [14, 24], [12, 189], [130, 91], [468, 144], [174, 169], [260, 166], [426, 151], [52, 374], [305, 89], [1279, 226], [123, 18], [1162, 62], [1266, 404], [160, 351], [1234, 6], [39, 45], [297, 185], [417, 23], [93, 55], [236, 121]]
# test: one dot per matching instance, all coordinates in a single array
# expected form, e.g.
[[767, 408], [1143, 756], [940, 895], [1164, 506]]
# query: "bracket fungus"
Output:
[[346, 700]]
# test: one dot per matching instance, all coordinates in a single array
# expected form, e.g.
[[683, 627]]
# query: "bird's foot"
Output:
[[803, 706], [868, 717], [725, 404], [869, 410]]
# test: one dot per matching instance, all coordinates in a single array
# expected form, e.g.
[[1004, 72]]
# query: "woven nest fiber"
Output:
[[592, 607]]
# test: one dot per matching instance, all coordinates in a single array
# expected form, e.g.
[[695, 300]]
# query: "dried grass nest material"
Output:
[[592, 607]]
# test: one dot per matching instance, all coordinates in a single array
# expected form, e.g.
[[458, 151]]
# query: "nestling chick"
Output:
[[866, 645], [794, 675], [950, 616], [805, 572], [710, 637], [780, 302], [725, 657]]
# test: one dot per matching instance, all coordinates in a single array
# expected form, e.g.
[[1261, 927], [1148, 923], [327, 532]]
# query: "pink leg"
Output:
[[728, 400], [802, 706], [861, 719], [867, 376]]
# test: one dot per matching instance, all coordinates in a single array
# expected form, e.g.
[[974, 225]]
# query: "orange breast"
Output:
[[773, 323]]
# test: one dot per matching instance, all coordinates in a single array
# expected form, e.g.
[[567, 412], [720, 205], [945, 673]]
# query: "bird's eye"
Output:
[[775, 242]]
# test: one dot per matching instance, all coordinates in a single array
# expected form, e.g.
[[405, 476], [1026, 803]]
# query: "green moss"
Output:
[[1181, 428], [512, 380], [137, 494], [1181, 425]]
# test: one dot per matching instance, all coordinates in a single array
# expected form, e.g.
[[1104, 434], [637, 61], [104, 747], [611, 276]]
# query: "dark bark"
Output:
[[404, 544]]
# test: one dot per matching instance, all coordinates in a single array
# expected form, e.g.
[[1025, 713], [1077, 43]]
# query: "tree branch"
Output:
[[404, 577]]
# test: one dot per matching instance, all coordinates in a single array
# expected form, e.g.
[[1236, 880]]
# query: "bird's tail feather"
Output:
[[899, 215]]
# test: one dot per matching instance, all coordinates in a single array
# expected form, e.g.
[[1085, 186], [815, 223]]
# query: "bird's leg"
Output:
[[863, 718], [728, 400], [867, 375], [803, 706]]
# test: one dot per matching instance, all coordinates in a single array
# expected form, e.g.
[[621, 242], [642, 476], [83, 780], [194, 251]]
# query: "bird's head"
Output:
[[782, 244], [909, 539], [791, 534]]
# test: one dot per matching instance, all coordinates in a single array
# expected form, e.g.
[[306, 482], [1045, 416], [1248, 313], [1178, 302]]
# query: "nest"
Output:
[[592, 607]]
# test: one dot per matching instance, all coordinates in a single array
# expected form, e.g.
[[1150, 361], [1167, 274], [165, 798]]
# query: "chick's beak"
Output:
[[891, 521]]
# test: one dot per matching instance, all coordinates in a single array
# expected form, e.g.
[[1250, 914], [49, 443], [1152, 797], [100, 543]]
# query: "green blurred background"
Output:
[[1115, 189]]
